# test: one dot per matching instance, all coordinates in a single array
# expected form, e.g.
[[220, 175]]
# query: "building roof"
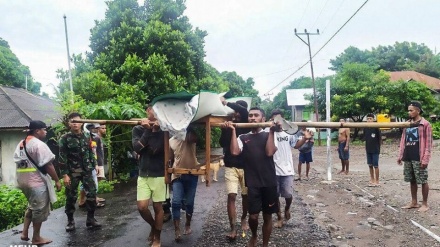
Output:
[[296, 96], [430, 81], [18, 107]]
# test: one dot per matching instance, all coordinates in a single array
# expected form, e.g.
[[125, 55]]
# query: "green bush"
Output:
[[106, 186], [13, 204], [436, 130]]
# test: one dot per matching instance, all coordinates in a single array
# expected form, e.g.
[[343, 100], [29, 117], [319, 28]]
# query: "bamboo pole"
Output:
[[268, 124]]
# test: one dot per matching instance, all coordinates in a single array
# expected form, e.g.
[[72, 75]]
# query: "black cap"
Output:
[[242, 103], [416, 104], [37, 124]]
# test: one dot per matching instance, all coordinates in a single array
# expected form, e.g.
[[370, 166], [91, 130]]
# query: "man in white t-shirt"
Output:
[[284, 168], [34, 161]]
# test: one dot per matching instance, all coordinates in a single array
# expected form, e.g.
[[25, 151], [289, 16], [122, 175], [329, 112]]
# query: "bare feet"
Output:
[[252, 242], [177, 235], [244, 225], [423, 208], [24, 236], [279, 223], [287, 215], [341, 171], [155, 244], [346, 172], [232, 235], [411, 205], [41, 241], [151, 236], [187, 231]]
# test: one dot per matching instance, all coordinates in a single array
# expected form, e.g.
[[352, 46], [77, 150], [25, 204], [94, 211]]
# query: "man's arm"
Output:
[[62, 156], [270, 144], [53, 174], [307, 136], [241, 110], [234, 148], [347, 141], [139, 139]]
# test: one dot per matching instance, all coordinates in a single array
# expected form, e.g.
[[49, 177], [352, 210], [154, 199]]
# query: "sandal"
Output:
[[100, 205], [100, 199]]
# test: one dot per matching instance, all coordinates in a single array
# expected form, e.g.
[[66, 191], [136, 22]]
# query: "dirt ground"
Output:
[[357, 215]]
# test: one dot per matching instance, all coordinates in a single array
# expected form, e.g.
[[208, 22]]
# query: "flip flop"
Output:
[[100, 199], [100, 205], [25, 239]]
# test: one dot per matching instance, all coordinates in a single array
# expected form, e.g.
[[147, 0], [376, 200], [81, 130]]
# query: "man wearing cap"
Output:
[[77, 162], [415, 152], [34, 161], [234, 173]]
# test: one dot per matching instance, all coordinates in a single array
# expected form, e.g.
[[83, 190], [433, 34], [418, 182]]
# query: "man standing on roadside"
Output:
[[234, 173], [343, 147], [77, 162], [148, 142], [415, 152], [34, 161], [373, 139], [258, 148]]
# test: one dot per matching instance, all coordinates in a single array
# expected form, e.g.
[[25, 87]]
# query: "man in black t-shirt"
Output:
[[373, 140], [258, 148]]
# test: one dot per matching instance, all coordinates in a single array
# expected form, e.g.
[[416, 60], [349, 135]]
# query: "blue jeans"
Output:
[[184, 188]]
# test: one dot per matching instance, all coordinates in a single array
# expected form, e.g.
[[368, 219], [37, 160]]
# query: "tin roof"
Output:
[[430, 81], [18, 107]]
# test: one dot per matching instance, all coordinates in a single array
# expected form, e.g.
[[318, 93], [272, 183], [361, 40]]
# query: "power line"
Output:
[[322, 47]]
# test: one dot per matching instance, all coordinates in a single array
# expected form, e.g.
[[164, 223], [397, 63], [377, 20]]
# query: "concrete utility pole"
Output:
[[26, 81], [313, 76], [68, 56]]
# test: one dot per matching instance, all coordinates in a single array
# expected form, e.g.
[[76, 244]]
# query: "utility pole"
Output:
[[26, 81], [315, 101], [68, 56]]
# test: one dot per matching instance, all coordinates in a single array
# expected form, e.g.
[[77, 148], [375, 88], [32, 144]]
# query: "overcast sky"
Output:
[[255, 38]]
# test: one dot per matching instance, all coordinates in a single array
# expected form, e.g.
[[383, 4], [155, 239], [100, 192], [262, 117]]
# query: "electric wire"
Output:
[[322, 47]]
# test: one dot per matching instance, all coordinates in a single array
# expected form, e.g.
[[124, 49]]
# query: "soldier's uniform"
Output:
[[77, 161]]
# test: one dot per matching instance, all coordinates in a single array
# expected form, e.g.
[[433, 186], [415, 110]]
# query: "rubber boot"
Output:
[[91, 222], [70, 223]]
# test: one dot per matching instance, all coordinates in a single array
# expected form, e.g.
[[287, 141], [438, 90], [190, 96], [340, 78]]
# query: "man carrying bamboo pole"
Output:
[[415, 152], [258, 148], [183, 152], [148, 142], [234, 173]]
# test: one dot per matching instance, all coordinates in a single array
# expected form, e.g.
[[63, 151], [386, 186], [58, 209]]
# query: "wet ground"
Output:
[[122, 224]]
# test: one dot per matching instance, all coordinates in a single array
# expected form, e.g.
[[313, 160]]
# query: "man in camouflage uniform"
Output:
[[77, 162]]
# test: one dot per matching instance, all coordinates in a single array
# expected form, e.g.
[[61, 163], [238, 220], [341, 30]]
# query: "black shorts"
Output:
[[263, 199]]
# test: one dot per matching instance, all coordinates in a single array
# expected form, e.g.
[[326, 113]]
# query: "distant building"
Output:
[[17, 108], [296, 99], [431, 82]]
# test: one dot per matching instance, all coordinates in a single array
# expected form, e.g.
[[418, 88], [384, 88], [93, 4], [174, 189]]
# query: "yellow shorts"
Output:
[[234, 178], [152, 188]]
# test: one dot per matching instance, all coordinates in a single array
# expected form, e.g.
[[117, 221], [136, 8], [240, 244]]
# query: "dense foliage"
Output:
[[12, 72]]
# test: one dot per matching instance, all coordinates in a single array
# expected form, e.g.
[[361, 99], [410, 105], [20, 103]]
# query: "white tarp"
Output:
[[175, 115]]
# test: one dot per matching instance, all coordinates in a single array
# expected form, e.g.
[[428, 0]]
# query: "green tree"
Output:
[[12, 72], [397, 57]]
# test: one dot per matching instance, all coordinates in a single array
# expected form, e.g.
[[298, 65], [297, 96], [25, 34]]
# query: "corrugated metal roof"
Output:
[[18, 107], [430, 81]]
